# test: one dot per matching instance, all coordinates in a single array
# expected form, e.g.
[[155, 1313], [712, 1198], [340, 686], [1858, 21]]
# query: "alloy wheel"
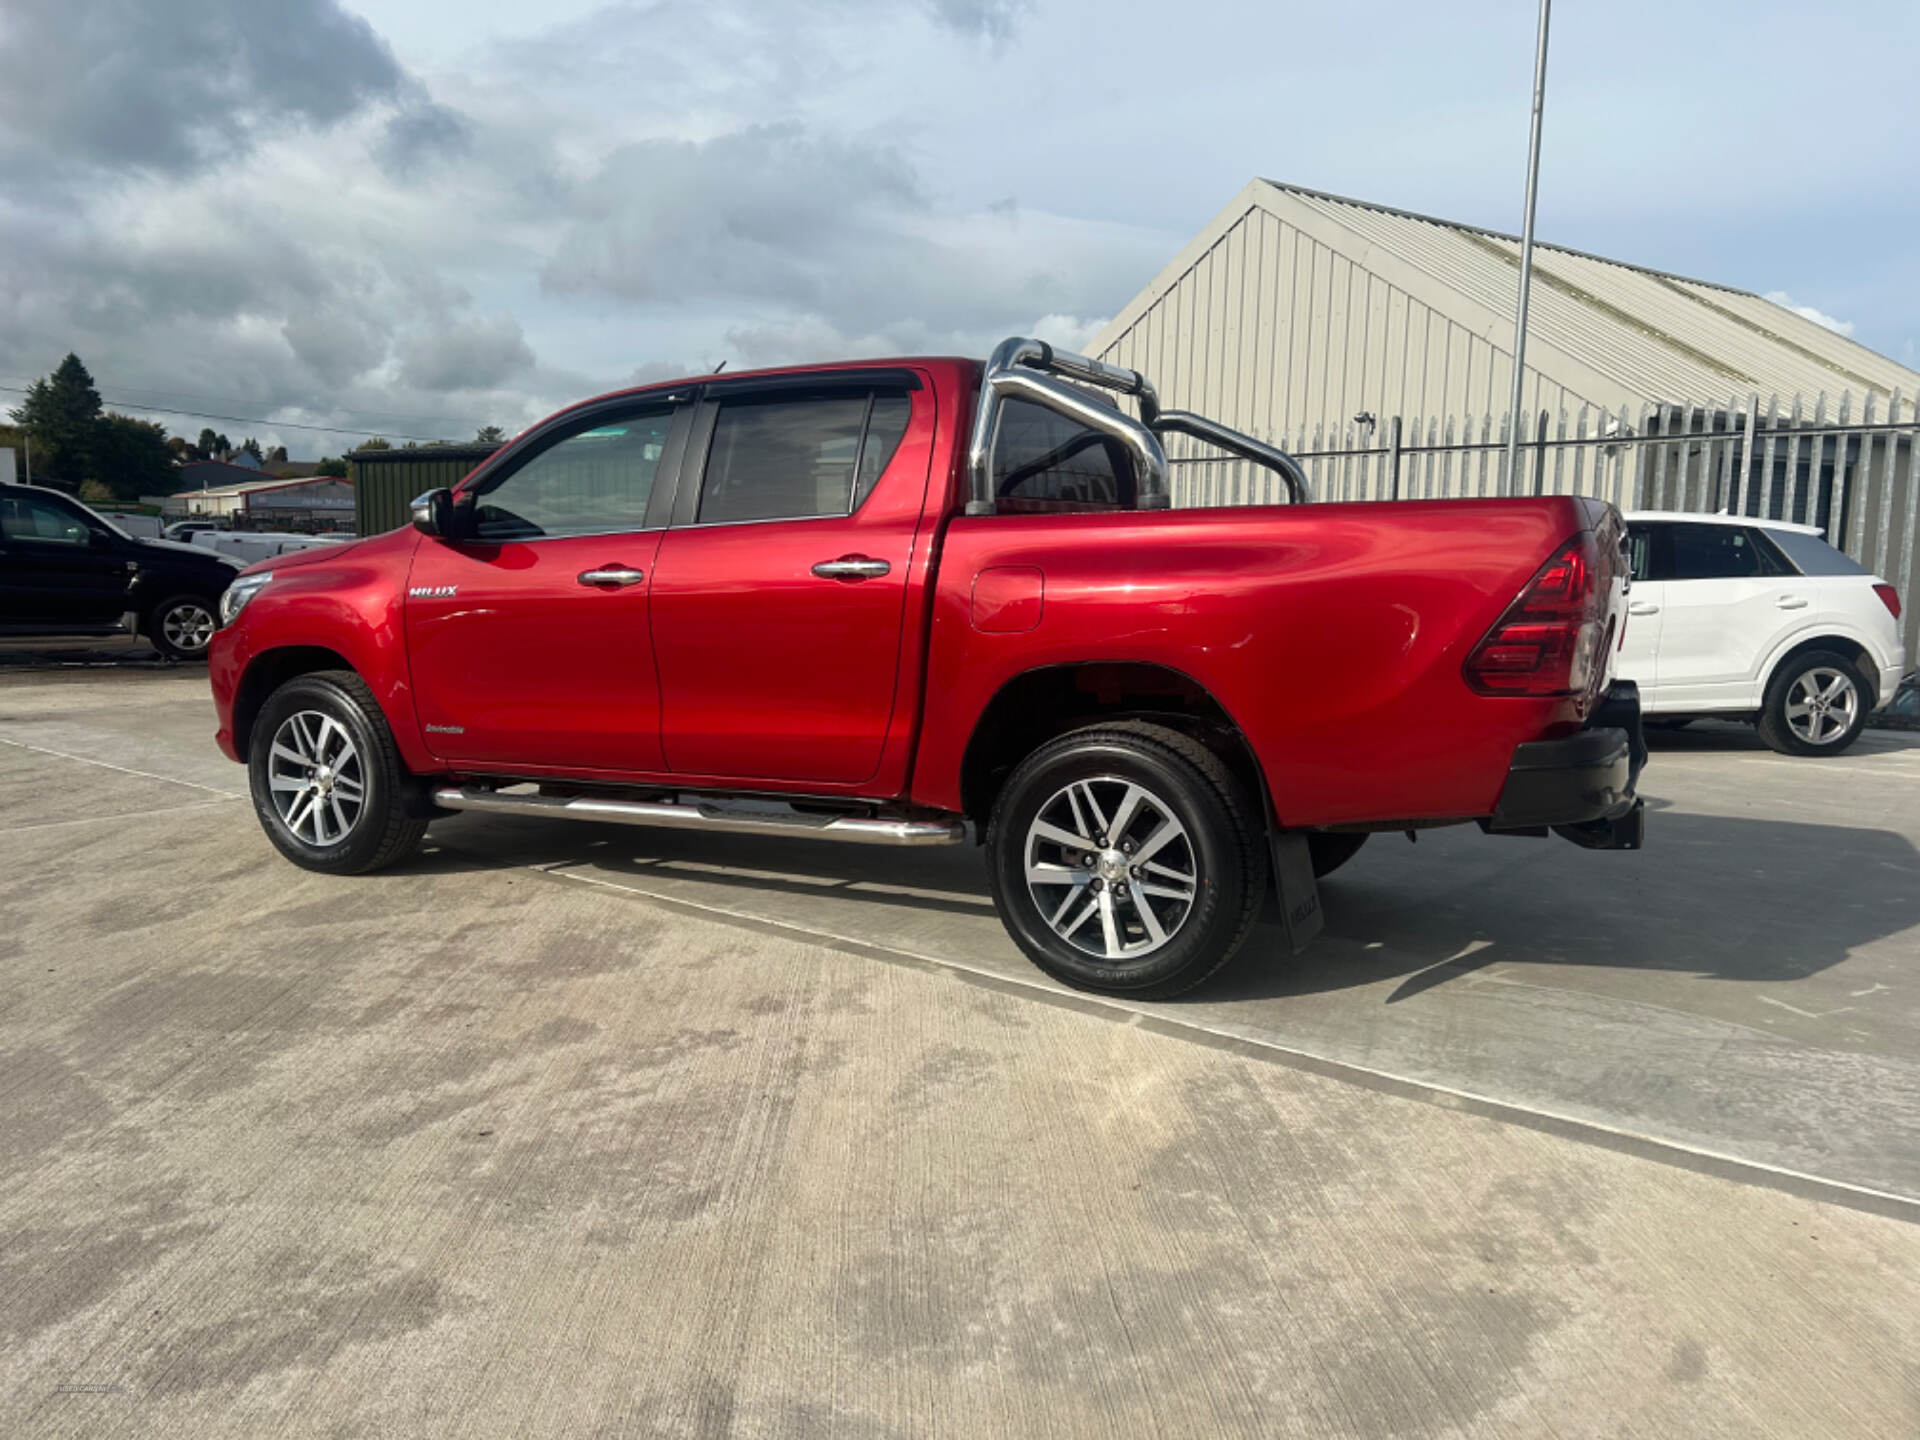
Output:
[[315, 776], [188, 626], [1822, 705], [1111, 868]]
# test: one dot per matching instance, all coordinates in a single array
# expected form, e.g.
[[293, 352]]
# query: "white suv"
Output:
[[1757, 620]]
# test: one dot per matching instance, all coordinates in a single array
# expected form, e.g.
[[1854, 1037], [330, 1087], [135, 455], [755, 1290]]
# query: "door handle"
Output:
[[1792, 602], [851, 567], [614, 575], [1643, 607]]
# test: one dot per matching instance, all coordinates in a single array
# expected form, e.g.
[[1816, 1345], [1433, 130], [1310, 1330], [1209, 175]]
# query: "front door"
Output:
[[56, 569], [529, 641], [1639, 655], [778, 594]]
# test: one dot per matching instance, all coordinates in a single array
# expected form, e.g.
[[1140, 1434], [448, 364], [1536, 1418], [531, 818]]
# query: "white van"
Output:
[[248, 546]]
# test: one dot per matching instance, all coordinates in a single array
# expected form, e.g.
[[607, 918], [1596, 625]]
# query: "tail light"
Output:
[[1889, 597], [1551, 639]]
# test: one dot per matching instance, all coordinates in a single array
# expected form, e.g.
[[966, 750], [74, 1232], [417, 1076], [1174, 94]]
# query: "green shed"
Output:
[[385, 482]]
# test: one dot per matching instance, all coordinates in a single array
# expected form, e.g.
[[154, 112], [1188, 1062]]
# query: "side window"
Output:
[[1715, 552], [886, 428], [1801, 554], [1042, 462], [22, 519], [593, 482], [794, 458], [1640, 551]]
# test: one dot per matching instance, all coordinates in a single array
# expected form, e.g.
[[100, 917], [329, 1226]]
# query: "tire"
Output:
[[298, 735], [1082, 782], [1816, 705], [1330, 850], [181, 626]]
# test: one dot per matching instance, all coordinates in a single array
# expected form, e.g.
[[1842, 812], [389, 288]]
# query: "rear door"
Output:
[[1727, 604], [55, 567], [529, 642], [779, 592]]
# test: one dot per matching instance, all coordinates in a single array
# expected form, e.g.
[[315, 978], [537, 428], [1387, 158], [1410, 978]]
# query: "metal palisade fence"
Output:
[[1848, 469]]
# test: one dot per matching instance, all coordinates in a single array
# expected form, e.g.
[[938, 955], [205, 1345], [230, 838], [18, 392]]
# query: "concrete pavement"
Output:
[[473, 1148]]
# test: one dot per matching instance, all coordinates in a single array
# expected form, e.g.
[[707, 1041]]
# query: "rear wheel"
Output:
[[328, 782], [181, 627], [1816, 705], [1126, 859]]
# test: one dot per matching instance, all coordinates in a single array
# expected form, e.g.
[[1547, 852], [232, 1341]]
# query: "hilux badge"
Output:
[[431, 592]]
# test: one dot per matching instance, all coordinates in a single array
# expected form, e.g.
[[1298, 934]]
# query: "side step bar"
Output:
[[857, 829]]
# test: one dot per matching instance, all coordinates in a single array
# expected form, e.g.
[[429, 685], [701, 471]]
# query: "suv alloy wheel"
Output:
[[1816, 705], [182, 627]]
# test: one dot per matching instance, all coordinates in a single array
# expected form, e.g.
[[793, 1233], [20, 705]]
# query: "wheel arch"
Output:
[[1037, 705], [267, 672], [1866, 665]]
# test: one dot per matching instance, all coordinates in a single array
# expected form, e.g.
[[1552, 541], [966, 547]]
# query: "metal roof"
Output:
[[255, 487], [1659, 337]]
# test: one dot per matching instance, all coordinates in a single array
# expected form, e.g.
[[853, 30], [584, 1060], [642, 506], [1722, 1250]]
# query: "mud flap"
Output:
[[1296, 892]]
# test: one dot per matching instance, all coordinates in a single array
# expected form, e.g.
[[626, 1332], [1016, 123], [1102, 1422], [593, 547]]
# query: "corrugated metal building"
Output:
[[386, 481], [1295, 310]]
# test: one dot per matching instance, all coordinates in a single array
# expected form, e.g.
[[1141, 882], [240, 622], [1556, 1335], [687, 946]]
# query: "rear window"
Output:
[[1042, 461], [1811, 555]]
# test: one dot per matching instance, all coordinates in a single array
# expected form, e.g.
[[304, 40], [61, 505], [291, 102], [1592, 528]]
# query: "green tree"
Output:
[[491, 435], [208, 443], [130, 457], [61, 412], [332, 467], [377, 443]]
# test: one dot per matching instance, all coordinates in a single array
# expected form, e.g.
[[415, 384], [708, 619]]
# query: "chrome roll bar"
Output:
[[1022, 368]]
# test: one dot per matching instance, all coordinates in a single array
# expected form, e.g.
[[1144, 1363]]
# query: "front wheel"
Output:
[[328, 782], [1816, 705], [1126, 859], [182, 627]]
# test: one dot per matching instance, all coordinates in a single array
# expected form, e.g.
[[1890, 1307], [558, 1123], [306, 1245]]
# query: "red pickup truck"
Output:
[[905, 602]]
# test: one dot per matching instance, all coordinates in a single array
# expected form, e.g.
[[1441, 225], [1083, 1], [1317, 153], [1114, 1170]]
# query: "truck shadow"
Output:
[[1723, 898]]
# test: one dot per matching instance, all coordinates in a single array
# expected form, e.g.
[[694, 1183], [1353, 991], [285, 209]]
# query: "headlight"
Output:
[[239, 593]]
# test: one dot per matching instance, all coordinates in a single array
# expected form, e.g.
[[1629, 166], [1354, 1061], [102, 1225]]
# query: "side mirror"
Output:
[[433, 513]]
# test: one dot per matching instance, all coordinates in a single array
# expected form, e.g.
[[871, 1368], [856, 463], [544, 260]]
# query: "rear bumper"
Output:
[[1581, 787], [1889, 679]]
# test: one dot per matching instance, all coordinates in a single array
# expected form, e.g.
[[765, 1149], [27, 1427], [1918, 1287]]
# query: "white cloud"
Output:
[[1069, 332], [418, 216], [1807, 312]]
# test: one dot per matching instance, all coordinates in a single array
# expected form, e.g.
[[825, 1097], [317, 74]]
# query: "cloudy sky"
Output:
[[419, 216]]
